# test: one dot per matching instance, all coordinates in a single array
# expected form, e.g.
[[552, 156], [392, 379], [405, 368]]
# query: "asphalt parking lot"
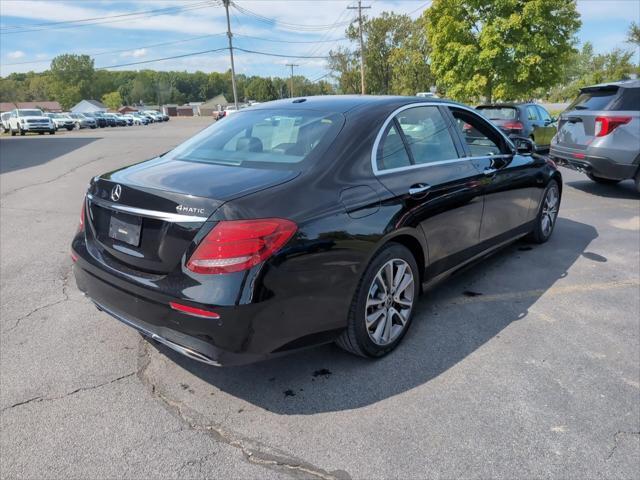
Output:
[[527, 365]]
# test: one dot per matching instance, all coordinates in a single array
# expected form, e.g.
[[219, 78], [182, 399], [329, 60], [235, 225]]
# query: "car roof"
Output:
[[505, 104], [621, 83], [344, 103]]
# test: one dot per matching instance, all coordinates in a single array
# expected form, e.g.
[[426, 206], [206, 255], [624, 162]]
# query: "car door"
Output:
[[508, 181], [548, 127], [538, 132], [417, 157]]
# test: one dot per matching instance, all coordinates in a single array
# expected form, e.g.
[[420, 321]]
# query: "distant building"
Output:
[[184, 111], [170, 109], [89, 106], [216, 103], [44, 105], [127, 109]]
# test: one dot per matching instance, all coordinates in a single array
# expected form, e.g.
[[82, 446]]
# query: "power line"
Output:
[[233, 69], [138, 16], [290, 41], [269, 54], [31, 25], [126, 49], [165, 58], [284, 25]]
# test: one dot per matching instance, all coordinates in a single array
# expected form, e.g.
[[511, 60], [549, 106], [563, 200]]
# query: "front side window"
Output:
[[481, 138], [427, 135], [268, 138], [499, 113], [544, 115], [532, 113]]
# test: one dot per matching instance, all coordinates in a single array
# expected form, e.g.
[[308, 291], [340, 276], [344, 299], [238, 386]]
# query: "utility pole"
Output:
[[291, 81], [360, 8], [233, 68]]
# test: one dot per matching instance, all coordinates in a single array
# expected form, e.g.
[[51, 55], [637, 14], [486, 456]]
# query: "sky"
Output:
[[30, 38]]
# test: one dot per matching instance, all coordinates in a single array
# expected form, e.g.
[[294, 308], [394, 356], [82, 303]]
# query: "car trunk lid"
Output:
[[145, 216]]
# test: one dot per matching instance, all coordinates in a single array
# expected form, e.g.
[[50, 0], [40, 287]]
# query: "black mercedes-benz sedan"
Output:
[[306, 221]]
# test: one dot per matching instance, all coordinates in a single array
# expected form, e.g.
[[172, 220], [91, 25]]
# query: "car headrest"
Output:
[[249, 144]]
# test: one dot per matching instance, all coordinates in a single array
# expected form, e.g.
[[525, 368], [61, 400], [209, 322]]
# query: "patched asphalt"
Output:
[[524, 366]]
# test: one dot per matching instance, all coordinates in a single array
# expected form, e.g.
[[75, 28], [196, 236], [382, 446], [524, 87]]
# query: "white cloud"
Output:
[[137, 53], [16, 55]]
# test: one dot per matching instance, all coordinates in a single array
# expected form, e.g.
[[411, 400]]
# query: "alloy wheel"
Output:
[[549, 210], [389, 302]]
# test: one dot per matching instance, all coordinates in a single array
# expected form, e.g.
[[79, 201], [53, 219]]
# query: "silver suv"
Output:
[[599, 133]]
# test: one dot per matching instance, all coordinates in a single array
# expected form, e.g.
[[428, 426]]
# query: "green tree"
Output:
[[346, 69], [633, 34], [112, 100], [261, 89], [499, 49], [71, 78], [410, 64]]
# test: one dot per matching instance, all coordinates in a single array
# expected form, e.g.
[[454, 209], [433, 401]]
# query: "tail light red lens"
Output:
[[513, 125], [606, 125], [236, 245], [81, 224]]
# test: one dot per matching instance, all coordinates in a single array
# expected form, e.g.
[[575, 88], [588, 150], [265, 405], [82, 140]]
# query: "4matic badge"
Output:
[[190, 210]]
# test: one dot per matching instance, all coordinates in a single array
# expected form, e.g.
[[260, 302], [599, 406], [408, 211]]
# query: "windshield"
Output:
[[30, 113], [268, 138], [499, 113]]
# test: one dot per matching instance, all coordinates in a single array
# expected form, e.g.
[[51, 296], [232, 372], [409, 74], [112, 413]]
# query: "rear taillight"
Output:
[[81, 224], [606, 125], [513, 125], [236, 245]]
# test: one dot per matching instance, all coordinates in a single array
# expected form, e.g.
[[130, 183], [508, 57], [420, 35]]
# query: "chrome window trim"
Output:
[[376, 143], [166, 216]]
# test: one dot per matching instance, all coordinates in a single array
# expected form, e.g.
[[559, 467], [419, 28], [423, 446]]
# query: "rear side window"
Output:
[[499, 113], [268, 138], [427, 135], [594, 100], [391, 150], [629, 99], [481, 138]]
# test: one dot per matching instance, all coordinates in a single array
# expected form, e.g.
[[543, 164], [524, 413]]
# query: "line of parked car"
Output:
[[23, 121]]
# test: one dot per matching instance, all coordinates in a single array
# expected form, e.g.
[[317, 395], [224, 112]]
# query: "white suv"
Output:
[[30, 120]]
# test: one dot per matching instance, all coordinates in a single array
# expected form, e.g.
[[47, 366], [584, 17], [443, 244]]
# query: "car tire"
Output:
[[52, 132], [22, 132], [603, 181], [40, 133], [373, 329], [547, 214], [13, 133], [636, 179]]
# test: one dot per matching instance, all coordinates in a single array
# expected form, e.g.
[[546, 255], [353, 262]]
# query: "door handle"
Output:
[[490, 171], [419, 189]]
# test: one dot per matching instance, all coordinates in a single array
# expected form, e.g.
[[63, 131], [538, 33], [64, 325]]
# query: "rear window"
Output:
[[501, 113], [262, 138], [594, 100]]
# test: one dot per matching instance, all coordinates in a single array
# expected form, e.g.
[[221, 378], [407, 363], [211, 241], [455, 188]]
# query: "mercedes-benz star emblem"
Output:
[[116, 192]]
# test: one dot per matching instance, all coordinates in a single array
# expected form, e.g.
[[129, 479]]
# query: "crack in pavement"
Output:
[[253, 451], [51, 180], [39, 399], [615, 441], [65, 295]]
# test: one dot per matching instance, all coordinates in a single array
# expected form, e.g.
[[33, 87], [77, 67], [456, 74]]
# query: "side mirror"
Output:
[[524, 144]]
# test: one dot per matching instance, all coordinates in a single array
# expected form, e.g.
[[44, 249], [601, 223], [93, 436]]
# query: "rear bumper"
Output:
[[211, 341], [603, 167]]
